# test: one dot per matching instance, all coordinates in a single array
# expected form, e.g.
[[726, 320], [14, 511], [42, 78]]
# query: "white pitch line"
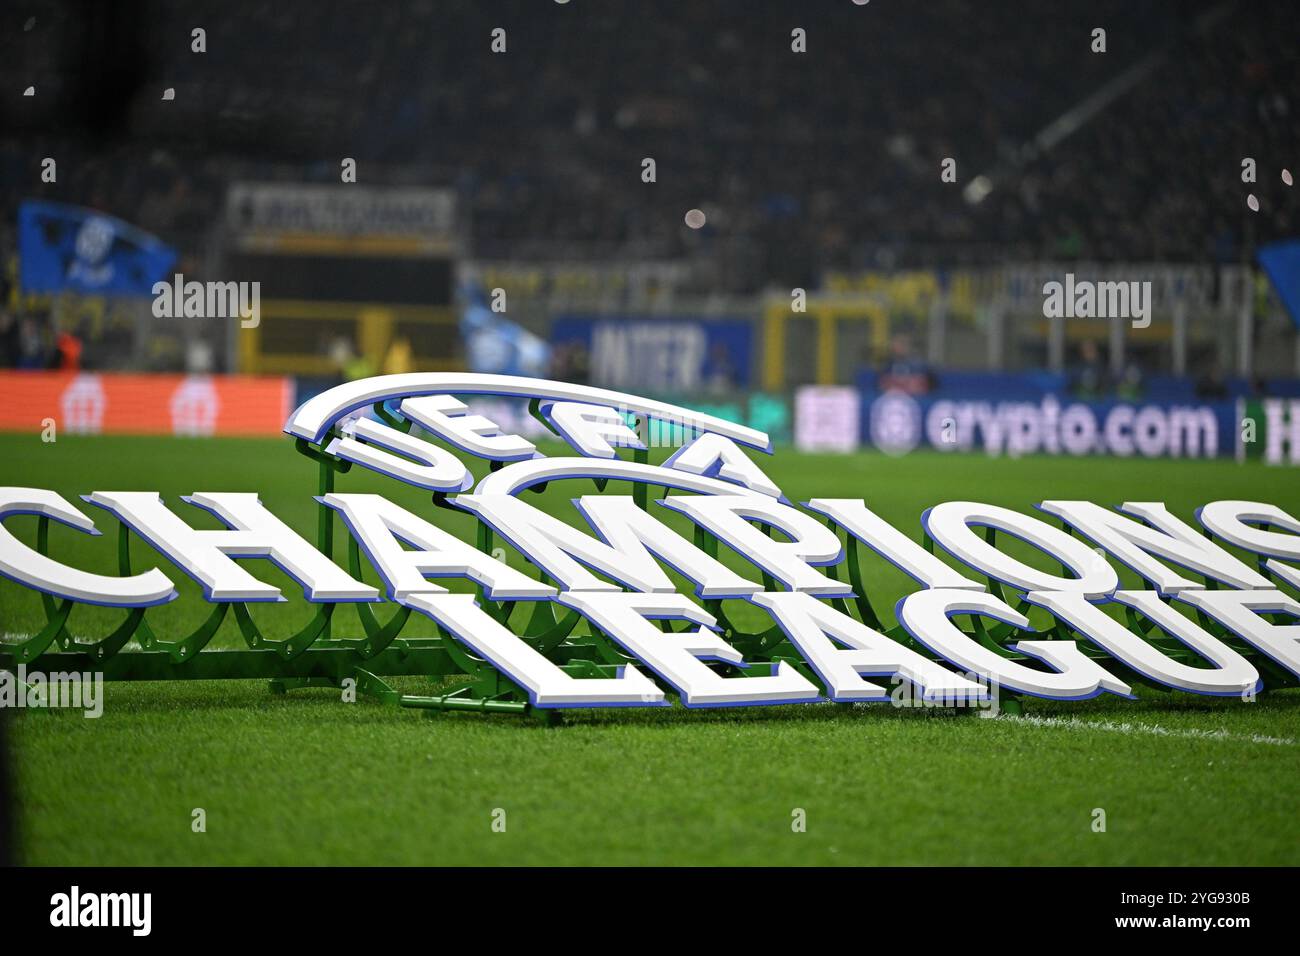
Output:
[[1155, 730]]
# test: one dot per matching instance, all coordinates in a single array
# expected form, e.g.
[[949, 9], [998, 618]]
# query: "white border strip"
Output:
[[312, 419]]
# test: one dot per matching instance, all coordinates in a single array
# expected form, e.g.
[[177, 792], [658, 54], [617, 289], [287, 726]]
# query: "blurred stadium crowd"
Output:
[[804, 162]]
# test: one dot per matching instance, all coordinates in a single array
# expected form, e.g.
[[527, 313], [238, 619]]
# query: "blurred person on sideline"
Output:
[[570, 362], [720, 374], [904, 370], [1090, 378], [67, 351], [9, 342], [341, 354], [199, 359], [1130, 387], [1211, 385], [399, 359], [358, 367], [31, 345]]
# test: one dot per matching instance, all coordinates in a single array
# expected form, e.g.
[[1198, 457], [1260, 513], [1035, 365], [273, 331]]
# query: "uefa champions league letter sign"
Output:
[[596, 619]]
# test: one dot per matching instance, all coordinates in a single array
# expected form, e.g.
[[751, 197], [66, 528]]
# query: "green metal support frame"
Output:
[[314, 657]]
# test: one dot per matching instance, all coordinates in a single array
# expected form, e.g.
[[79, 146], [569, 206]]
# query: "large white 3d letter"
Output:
[[1239, 611], [891, 544], [1134, 544], [716, 456], [811, 542], [925, 616], [632, 540], [949, 524], [444, 416], [30, 567], [589, 428], [251, 532], [1234, 521], [547, 685], [676, 656], [822, 633], [1232, 674], [372, 445], [380, 526]]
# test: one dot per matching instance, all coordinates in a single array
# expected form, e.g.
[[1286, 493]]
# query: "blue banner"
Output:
[[660, 355], [1281, 260], [897, 423], [68, 248]]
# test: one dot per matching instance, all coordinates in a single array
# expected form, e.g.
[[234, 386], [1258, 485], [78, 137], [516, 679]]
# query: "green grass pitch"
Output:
[[306, 779]]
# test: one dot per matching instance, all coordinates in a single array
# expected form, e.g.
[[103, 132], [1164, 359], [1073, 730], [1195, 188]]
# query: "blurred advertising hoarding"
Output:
[[657, 354], [898, 423], [1270, 430], [826, 418], [288, 211], [128, 404], [1042, 413]]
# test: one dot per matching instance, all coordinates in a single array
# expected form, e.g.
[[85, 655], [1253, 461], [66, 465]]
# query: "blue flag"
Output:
[[68, 248], [495, 344], [1281, 260]]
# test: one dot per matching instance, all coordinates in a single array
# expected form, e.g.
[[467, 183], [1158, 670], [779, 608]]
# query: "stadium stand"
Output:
[[806, 165], [543, 144]]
